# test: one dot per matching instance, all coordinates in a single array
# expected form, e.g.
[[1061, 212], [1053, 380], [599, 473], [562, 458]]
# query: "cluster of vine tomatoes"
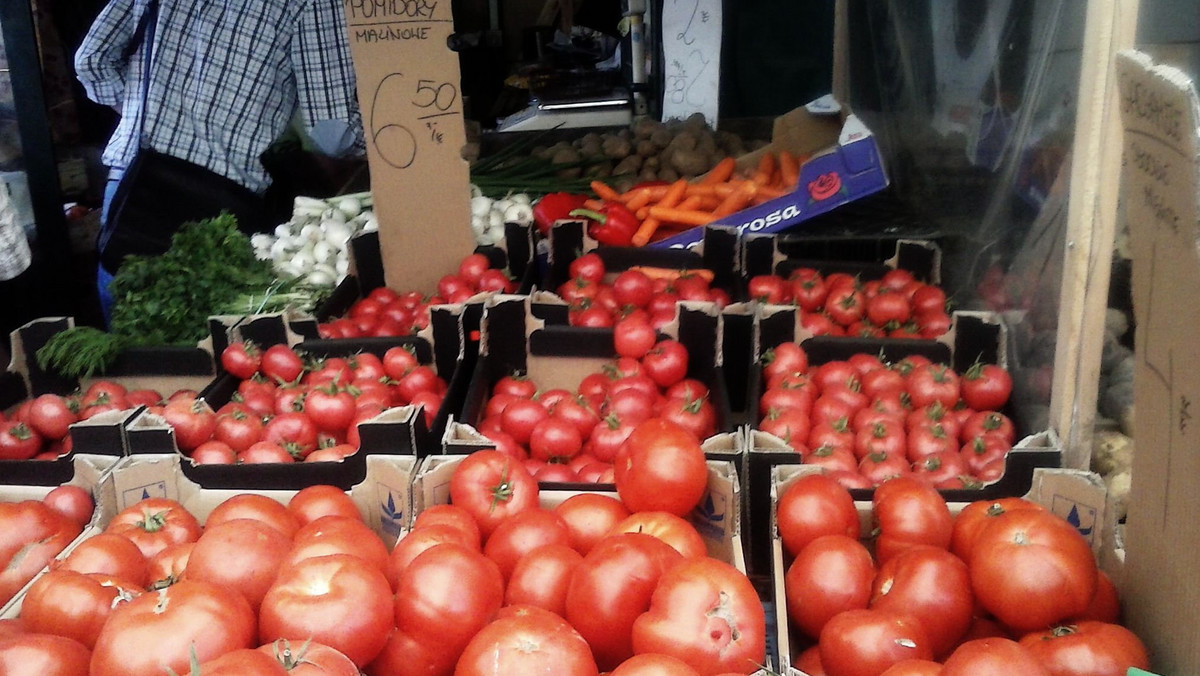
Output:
[[37, 429], [837, 304], [647, 292], [1004, 584], [866, 421], [287, 409], [574, 435], [32, 532], [385, 312]]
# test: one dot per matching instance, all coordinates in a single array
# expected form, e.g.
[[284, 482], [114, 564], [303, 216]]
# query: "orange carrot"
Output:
[[789, 169], [765, 172], [605, 191], [736, 201], [640, 199], [594, 205], [672, 274], [769, 192], [720, 172], [655, 192], [677, 215], [646, 230], [693, 203]]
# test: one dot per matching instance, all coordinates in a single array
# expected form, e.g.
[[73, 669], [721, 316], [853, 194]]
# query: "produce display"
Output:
[[315, 243], [1004, 583], [837, 304], [575, 436], [290, 408], [867, 421], [641, 292], [37, 429], [32, 532], [384, 312], [495, 582], [489, 216], [210, 269]]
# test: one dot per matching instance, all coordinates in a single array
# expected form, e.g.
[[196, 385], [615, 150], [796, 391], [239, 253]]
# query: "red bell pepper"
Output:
[[555, 206], [613, 224]]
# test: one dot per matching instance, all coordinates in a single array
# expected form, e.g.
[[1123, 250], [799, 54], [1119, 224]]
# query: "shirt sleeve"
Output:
[[325, 82], [100, 62]]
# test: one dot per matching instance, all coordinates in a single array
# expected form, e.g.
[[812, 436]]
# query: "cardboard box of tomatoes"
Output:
[[517, 340], [64, 417], [843, 164], [974, 338], [884, 579]]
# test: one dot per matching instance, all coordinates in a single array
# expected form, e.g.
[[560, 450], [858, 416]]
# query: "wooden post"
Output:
[[1091, 223]]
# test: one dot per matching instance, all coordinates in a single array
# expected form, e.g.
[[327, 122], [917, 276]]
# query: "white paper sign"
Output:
[[691, 37]]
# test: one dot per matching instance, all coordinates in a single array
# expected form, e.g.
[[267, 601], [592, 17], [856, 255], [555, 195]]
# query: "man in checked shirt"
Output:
[[227, 78]]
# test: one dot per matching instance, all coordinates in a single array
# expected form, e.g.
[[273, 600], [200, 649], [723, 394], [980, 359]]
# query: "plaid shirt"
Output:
[[227, 78]]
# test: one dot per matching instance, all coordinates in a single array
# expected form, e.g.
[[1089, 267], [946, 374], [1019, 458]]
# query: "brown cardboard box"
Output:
[[1160, 581]]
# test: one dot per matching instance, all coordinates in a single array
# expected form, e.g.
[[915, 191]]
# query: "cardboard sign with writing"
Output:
[[1161, 187], [409, 92]]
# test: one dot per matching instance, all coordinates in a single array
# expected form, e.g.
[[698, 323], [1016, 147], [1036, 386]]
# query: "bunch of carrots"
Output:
[[665, 209]]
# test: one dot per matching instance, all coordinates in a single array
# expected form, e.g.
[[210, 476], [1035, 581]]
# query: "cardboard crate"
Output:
[[516, 340], [865, 257], [383, 496], [1157, 568], [974, 336], [844, 165], [165, 369], [1079, 497]]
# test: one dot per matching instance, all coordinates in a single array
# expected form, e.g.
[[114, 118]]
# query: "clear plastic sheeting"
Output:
[[973, 103]]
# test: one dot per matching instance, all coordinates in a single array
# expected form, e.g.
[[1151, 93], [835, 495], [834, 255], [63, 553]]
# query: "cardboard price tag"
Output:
[[409, 92]]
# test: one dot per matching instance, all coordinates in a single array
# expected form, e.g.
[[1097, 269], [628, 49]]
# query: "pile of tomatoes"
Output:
[[287, 409], [648, 292], [839, 304], [384, 312], [1003, 587], [493, 583], [573, 436], [866, 421], [37, 428], [32, 532]]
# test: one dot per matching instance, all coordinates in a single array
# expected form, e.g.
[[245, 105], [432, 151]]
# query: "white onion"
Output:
[[336, 233], [480, 205], [519, 213], [323, 252], [349, 207]]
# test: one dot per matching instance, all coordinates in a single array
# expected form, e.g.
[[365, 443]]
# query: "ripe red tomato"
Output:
[[420, 539], [446, 595], [169, 627], [338, 600], [654, 664], [914, 668], [986, 387], [520, 417], [335, 534], [295, 432], [932, 585], [831, 574], [263, 452], [166, 567], [451, 515], [590, 517], [541, 577], [940, 466], [31, 534], [666, 363], [888, 307], [792, 426], [933, 382], [330, 407], [308, 658], [1031, 569], [491, 487], [526, 640], [73, 502], [313, 502], [155, 523], [522, 533], [975, 515], [673, 530], [18, 441], [982, 423], [50, 415], [1106, 602], [241, 554], [280, 364], [612, 587], [107, 554], [909, 512], [783, 359], [589, 266], [845, 304], [74, 605], [769, 289], [811, 506], [1087, 649], [633, 287], [241, 359], [867, 642], [28, 654], [661, 467], [634, 337], [992, 657], [706, 613], [555, 440]]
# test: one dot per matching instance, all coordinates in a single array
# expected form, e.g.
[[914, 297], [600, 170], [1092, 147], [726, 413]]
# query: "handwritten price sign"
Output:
[[691, 38], [408, 89]]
